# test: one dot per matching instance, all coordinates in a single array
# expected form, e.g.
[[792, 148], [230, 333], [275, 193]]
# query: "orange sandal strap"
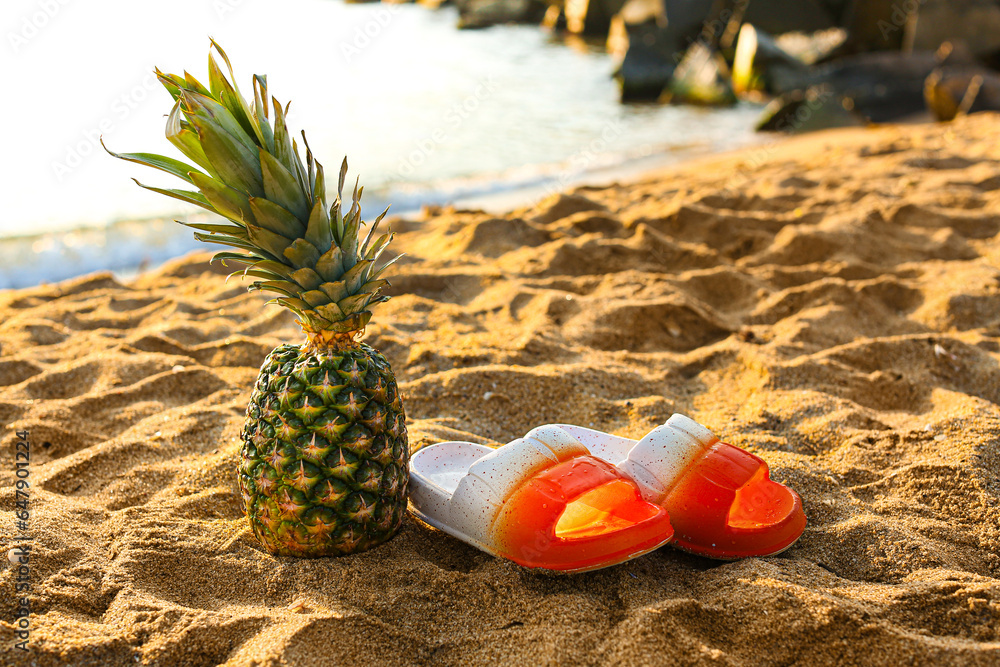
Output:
[[725, 504], [577, 515]]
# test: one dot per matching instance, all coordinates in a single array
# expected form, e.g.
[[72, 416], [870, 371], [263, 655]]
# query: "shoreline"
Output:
[[128, 247], [147, 243]]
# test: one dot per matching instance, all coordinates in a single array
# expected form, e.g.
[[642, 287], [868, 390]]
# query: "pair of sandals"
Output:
[[573, 499]]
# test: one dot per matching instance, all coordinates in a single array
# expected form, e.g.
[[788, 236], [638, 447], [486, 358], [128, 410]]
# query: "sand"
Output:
[[831, 303]]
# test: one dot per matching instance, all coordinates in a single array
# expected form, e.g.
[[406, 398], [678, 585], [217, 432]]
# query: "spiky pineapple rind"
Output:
[[323, 467]]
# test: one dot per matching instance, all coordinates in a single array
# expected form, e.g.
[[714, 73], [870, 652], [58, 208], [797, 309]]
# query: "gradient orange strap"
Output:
[[578, 514]]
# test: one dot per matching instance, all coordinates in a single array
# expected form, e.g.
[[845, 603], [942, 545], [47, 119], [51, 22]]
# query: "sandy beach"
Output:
[[831, 303]]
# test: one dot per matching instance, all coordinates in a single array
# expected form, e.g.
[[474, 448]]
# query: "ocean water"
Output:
[[426, 114]]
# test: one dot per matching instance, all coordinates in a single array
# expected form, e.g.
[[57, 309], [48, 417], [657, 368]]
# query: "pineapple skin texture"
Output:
[[324, 465]]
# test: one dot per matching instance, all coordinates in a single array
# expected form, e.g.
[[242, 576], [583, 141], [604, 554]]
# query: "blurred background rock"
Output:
[[825, 63]]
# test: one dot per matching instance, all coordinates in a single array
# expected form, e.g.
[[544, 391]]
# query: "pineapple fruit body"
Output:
[[324, 463]]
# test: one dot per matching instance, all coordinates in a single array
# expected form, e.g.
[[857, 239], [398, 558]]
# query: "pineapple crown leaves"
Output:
[[247, 168]]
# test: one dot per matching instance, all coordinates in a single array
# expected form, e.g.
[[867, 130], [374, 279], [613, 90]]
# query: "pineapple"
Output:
[[324, 461]]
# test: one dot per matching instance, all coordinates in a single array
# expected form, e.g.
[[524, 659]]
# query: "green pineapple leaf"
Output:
[[248, 169]]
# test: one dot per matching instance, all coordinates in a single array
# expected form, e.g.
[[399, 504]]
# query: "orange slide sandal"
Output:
[[544, 503]]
